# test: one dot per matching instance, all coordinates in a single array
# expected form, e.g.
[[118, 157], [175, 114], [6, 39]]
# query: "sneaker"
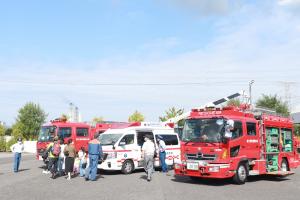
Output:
[[46, 172]]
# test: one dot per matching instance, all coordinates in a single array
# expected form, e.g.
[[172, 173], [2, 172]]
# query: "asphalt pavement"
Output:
[[31, 184]]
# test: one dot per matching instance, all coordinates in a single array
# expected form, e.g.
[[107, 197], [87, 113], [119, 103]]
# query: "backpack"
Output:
[[55, 150]]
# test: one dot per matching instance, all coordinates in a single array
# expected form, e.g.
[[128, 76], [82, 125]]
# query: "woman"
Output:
[[70, 154]]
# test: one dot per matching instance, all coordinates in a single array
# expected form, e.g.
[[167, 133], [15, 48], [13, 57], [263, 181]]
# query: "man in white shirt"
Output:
[[148, 150], [162, 153], [17, 149]]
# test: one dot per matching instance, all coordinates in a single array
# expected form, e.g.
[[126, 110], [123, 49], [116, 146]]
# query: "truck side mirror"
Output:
[[228, 134], [52, 130], [228, 128], [230, 124]]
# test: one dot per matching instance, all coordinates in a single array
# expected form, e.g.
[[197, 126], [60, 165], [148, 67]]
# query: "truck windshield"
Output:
[[203, 130], [109, 139], [46, 133]]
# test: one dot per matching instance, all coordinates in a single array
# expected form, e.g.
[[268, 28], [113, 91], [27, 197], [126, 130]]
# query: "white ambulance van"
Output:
[[122, 147]]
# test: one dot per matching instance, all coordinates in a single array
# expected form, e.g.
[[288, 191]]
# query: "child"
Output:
[[82, 161]]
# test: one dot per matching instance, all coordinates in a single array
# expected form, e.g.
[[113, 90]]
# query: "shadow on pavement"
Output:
[[195, 180], [117, 172], [267, 178], [143, 177], [21, 170], [222, 182]]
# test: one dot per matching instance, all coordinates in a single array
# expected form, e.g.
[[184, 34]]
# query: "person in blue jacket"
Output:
[[95, 152]]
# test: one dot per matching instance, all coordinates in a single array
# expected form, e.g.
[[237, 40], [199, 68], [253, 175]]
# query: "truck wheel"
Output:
[[284, 166], [240, 176], [127, 167]]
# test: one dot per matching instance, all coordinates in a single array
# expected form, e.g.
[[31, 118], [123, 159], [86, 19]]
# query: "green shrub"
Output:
[[2, 144], [10, 143]]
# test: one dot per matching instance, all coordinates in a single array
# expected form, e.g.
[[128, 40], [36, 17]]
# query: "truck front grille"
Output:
[[201, 156]]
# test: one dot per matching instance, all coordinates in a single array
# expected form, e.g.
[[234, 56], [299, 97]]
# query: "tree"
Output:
[[97, 120], [64, 117], [8, 131], [171, 113], [234, 102], [2, 139], [136, 117], [297, 129], [2, 130], [273, 102], [29, 121]]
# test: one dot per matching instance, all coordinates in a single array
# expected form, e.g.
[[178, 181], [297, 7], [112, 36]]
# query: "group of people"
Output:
[[63, 159]]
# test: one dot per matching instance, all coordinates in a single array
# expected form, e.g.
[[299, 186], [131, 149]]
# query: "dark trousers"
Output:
[[91, 171], [162, 158], [52, 165], [17, 160], [60, 165]]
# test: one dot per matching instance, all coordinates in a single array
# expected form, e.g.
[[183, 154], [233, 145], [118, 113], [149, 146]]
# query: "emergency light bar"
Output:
[[211, 104]]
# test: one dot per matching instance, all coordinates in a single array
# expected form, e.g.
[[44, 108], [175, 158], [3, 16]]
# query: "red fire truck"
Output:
[[80, 133], [234, 142]]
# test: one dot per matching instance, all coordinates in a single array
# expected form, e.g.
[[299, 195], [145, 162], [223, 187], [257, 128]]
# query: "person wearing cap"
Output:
[[17, 149], [95, 152], [148, 150], [162, 153]]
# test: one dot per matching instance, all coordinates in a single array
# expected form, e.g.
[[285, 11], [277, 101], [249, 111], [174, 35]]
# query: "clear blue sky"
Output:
[[101, 55]]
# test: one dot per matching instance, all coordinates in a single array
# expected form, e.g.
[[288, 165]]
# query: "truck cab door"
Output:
[[237, 143], [252, 140], [126, 147]]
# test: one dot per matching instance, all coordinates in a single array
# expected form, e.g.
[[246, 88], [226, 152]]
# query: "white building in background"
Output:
[[2, 123], [73, 113]]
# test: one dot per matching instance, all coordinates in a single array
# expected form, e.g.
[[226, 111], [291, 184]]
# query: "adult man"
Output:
[[17, 149], [148, 150], [54, 151], [162, 153], [95, 151]]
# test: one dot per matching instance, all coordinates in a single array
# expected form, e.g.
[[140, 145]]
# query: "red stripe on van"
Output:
[[173, 148], [117, 151]]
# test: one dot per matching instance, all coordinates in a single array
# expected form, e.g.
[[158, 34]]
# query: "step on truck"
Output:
[[236, 142]]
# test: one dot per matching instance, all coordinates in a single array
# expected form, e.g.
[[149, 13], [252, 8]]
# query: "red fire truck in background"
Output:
[[236, 142], [80, 133]]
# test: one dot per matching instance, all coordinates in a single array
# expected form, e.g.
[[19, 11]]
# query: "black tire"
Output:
[[284, 166], [241, 174], [127, 167]]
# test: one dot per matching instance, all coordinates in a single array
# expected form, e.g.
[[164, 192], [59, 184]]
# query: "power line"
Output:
[[204, 83]]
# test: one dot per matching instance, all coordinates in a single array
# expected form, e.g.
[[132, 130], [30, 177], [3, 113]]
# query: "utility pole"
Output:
[[287, 93], [250, 93]]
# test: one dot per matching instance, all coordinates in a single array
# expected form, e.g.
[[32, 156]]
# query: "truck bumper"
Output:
[[207, 171], [111, 164]]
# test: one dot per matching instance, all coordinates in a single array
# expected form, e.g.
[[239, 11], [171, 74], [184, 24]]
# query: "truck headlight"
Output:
[[177, 166]]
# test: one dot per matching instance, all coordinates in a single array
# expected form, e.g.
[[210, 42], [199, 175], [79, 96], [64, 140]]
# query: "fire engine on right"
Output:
[[236, 142]]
